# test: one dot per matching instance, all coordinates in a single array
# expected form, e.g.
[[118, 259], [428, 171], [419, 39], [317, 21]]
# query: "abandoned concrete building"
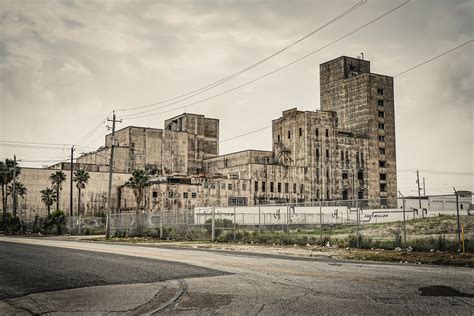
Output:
[[345, 151]]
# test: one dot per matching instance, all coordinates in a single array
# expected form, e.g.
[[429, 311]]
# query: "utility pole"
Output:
[[419, 196], [459, 224], [14, 186], [424, 188], [71, 211], [404, 221], [111, 164]]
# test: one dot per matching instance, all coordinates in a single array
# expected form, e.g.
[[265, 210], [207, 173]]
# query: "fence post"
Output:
[[213, 224], [234, 223], [79, 224], [259, 226], [404, 226], [357, 227], [161, 225]]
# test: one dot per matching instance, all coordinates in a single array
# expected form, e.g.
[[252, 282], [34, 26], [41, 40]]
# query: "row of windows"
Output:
[[228, 186], [300, 130], [280, 187], [175, 195]]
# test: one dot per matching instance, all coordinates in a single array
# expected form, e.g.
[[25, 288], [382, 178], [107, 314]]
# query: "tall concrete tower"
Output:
[[364, 103]]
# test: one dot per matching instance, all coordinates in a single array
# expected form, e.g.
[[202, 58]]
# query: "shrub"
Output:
[[55, 222]]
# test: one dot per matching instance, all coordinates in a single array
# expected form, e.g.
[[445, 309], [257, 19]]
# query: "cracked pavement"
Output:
[[184, 282]]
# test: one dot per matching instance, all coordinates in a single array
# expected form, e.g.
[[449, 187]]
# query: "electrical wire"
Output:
[[230, 77], [134, 116]]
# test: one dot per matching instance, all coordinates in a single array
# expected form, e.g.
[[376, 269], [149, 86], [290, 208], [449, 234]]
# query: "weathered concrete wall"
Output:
[[364, 103], [93, 197]]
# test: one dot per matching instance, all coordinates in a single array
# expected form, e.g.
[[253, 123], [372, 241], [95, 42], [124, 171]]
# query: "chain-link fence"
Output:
[[428, 224]]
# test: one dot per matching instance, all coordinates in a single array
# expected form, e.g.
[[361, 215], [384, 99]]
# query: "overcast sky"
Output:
[[64, 65]]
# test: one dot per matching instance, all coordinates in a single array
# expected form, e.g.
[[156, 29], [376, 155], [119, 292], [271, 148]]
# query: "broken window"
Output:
[[380, 102], [279, 187], [327, 132], [317, 153], [381, 114], [345, 175], [278, 137], [289, 134], [380, 91], [381, 126], [383, 187], [271, 186], [256, 186], [382, 164], [360, 175], [317, 132], [383, 177], [264, 186], [155, 194], [301, 131]]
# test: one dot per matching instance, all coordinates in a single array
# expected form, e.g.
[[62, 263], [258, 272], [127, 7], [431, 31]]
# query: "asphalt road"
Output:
[[51, 276]]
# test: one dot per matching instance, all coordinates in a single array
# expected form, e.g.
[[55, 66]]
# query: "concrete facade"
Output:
[[364, 103]]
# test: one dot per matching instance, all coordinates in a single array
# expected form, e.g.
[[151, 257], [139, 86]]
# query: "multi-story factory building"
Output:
[[364, 103], [345, 151]]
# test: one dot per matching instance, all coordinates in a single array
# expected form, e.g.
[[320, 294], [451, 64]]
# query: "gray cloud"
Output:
[[65, 64]]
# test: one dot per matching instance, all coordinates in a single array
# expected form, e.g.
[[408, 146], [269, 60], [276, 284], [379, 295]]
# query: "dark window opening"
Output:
[[256, 186], [345, 195], [279, 187], [327, 133], [342, 155], [383, 177], [264, 186], [302, 189], [271, 186], [289, 134], [382, 151], [294, 187], [327, 153], [193, 195], [381, 126], [380, 91], [327, 194], [317, 153], [229, 186], [301, 131], [383, 187], [381, 114], [381, 138], [345, 175], [360, 175], [382, 164], [287, 188], [380, 102], [155, 194], [278, 138], [317, 132], [360, 195], [185, 195]]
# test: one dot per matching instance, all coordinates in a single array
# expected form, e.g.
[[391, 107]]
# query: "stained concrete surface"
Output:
[[273, 285]]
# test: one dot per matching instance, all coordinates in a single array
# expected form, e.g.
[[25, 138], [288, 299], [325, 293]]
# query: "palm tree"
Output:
[[48, 197], [6, 176], [81, 177], [57, 179], [20, 190], [138, 182]]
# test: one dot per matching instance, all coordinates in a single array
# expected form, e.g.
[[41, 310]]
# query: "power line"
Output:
[[134, 116], [437, 172], [21, 144], [245, 134], [227, 78], [433, 58]]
